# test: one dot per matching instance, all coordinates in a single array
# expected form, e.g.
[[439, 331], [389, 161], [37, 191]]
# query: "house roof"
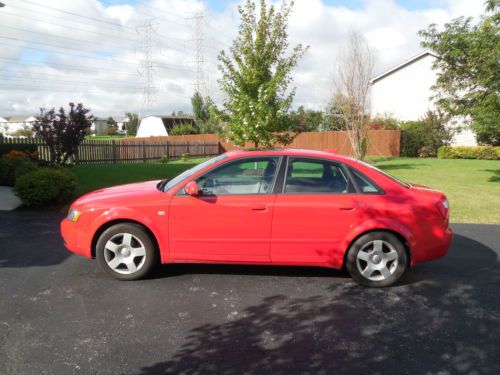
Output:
[[403, 65], [18, 118]]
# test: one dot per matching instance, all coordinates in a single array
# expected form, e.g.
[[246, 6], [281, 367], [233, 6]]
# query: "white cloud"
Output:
[[101, 69]]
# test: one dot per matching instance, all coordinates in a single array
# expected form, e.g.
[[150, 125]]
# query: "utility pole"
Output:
[[147, 68]]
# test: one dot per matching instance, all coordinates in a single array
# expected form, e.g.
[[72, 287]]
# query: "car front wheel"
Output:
[[377, 259], [126, 252]]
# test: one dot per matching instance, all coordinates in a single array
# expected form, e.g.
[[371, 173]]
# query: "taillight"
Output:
[[444, 207]]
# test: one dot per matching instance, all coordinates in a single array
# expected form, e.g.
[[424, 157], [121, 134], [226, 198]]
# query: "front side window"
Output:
[[315, 176], [189, 172], [248, 176]]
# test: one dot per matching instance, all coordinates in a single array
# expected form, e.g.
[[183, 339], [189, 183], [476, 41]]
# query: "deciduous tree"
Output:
[[61, 131], [256, 73], [468, 83]]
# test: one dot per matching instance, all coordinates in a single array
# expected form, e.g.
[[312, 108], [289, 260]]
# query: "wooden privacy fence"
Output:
[[111, 152], [381, 142]]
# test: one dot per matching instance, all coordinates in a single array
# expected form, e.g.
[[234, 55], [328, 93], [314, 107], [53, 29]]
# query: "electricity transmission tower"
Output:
[[147, 68], [199, 39]]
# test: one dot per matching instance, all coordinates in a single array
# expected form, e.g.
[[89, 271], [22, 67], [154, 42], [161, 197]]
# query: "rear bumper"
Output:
[[434, 246], [72, 242]]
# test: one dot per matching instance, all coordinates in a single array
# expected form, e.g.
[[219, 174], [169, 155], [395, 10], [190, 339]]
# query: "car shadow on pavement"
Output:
[[31, 239], [444, 318]]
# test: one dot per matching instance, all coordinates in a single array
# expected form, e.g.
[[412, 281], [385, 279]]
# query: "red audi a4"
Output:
[[278, 207]]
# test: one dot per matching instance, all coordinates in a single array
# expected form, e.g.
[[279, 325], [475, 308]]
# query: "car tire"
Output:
[[377, 259], [126, 252]]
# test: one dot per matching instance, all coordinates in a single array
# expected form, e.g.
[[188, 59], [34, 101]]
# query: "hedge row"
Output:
[[465, 152]]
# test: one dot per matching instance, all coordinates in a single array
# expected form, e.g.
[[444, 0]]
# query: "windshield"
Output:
[[402, 183], [173, 182]]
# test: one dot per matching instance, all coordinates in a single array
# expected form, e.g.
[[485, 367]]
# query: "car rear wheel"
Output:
[[126, 252], [377, 259]]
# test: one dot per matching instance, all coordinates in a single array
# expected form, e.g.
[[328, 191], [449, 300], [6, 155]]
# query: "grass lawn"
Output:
[[472, 186], [92, 177]]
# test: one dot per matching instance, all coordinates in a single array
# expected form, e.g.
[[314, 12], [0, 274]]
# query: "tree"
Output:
[[132, 124], [468, 83], [61, 131], [305, 120], [205, 114], [256, 74], [112, 126], [334, 119], [354, 74]]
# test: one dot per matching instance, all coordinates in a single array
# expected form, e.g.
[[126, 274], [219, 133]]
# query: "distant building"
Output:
[[11, 124], [100, 125], [405, 92], [157, 126]]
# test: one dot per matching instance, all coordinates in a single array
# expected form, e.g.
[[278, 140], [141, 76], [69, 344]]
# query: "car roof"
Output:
[[291, 152]]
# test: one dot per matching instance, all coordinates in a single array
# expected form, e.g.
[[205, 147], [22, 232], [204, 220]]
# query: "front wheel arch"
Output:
[[398, 235], [111, 223]]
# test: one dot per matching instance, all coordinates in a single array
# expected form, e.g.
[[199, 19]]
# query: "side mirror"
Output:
[[191, 188]]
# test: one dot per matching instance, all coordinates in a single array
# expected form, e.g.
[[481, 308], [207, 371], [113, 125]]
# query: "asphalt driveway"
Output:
[[60, 315]]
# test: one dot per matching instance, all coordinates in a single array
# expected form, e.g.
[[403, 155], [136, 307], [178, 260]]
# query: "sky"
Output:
[[53, 52]]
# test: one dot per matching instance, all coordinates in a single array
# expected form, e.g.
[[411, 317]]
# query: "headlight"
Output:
[[73, 215]]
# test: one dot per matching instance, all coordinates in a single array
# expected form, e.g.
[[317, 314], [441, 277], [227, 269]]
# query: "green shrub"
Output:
[[184, 128], [465, 152], [45, 185], [164, 159], [26, 147], [424, 137], [185, 157], [13, 168]]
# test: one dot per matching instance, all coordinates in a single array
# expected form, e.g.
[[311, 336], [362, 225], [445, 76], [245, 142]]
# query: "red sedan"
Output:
[[280, 207]]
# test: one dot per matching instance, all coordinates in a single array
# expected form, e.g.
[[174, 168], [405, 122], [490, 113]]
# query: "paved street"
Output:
[[60, 315]]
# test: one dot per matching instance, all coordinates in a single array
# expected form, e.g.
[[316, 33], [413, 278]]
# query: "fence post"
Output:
[[203, 148], [166, 150], [77, 157], [113, 143], [144, 151], [187, 147]]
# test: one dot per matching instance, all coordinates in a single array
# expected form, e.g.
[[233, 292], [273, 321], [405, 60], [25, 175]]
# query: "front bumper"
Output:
[[71, 236]]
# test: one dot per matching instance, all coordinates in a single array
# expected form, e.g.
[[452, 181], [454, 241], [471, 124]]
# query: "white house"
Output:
[[12, 124], [404, 92]]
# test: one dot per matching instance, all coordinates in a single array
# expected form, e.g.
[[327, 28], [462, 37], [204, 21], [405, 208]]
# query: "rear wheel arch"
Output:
[[111, 223], [395, 233]]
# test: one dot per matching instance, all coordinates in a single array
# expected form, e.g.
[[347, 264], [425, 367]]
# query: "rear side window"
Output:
[[315, 177], [365, 185]]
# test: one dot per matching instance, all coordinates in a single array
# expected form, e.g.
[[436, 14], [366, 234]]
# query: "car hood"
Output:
[[119, 195]]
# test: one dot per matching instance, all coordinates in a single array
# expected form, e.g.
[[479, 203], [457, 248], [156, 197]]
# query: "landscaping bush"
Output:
[[164, 159], [464, 152], [424, 137], [185, 156], [183, 129], [45, 185], [13, 168], [8, 147]]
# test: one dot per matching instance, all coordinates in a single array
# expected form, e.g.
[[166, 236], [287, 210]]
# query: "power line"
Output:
[[68, 38], [92, 57], [76, 14], [69, 67], [69, 26], [81, 83]]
